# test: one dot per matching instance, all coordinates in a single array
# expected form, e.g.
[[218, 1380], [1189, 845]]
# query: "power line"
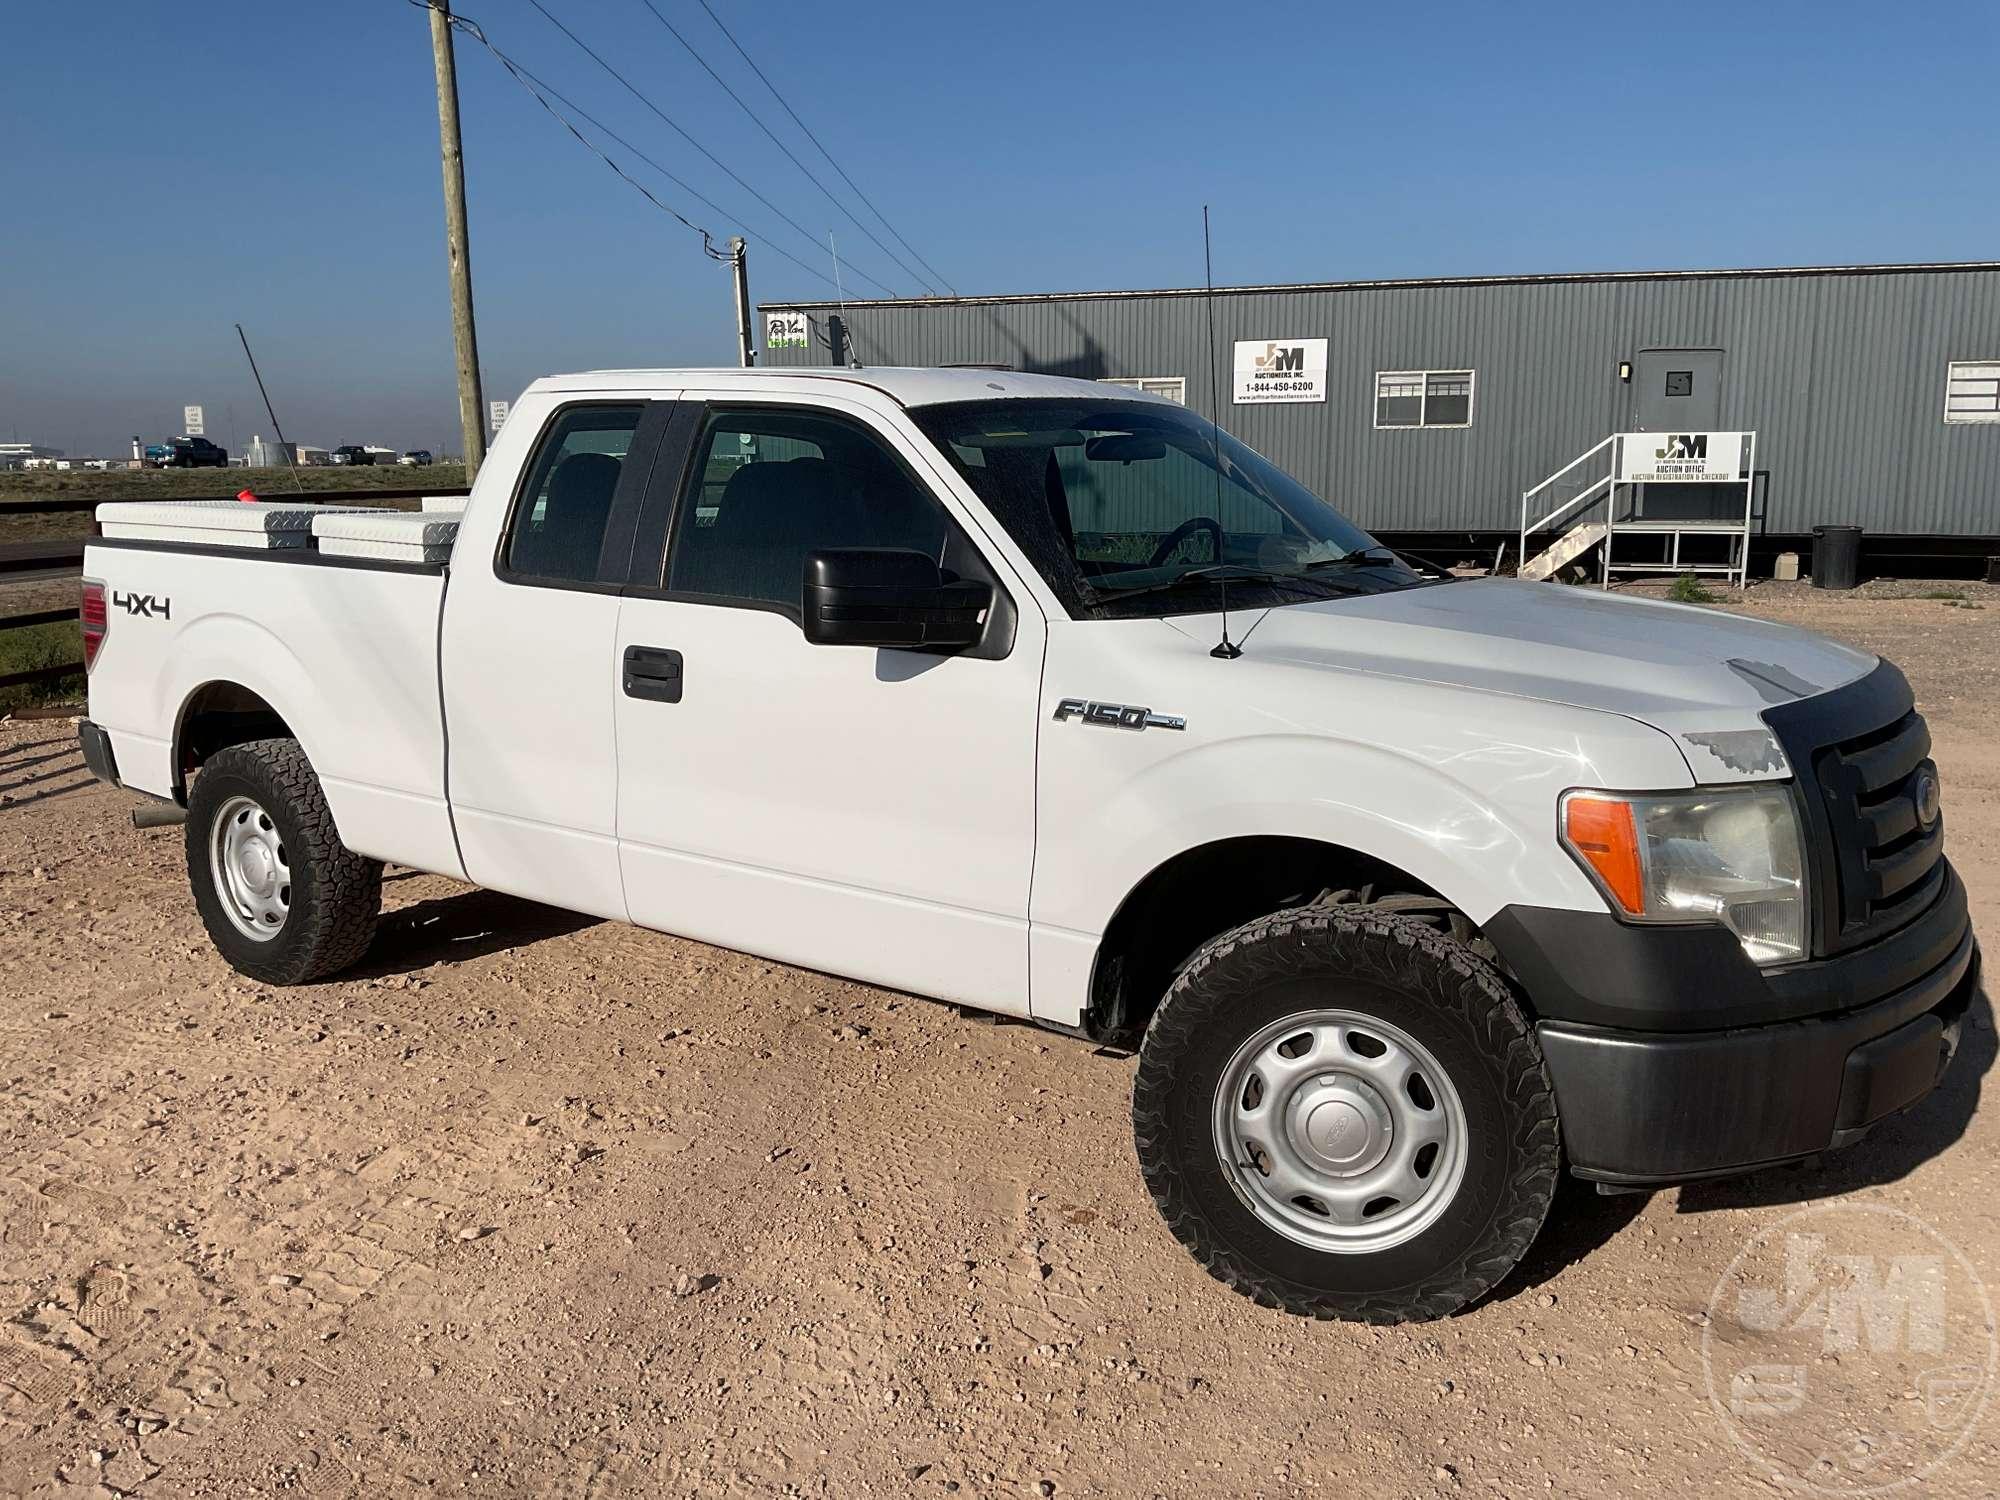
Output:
[[526, 80], [675, 126], [723, 84], [543, 92], [692, 192], [823, 151]]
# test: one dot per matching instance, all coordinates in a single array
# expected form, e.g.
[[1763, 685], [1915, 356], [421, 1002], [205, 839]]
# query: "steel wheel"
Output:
[[1341, 1132], [252, 876]]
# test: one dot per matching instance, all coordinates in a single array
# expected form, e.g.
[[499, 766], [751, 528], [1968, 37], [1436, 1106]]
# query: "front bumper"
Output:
[[1653, 1092]]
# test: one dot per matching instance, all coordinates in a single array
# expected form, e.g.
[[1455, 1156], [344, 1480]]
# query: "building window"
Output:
[[1972, 392], [1173, 387], [1423, 398]]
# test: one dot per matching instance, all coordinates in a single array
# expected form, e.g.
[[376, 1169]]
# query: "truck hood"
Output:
[[1702, 676]]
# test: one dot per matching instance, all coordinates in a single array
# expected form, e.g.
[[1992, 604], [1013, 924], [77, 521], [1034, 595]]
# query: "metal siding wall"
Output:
[[1842, 377]]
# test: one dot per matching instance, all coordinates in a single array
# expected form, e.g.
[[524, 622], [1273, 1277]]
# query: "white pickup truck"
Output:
[[1048, 698]]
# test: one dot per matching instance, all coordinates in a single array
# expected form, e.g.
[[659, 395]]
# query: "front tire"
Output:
[[282, 898], [1342, 1113]]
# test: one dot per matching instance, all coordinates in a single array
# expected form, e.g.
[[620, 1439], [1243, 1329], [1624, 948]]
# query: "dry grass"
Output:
[[40, 646]]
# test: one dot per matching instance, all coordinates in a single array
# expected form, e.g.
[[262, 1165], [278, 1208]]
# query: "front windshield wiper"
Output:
[[1363, 557], [1216, 573], [1376, 557]]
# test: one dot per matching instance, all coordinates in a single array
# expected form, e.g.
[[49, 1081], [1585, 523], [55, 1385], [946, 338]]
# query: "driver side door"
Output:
[[862, 810]]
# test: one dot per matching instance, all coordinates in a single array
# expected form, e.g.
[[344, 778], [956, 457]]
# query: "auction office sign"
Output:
[[1680, 457], [1280, 370]]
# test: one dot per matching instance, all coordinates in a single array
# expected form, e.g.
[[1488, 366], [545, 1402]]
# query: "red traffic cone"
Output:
[[248, 497]]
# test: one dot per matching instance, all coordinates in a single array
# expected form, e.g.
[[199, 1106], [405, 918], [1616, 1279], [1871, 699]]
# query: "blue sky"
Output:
[[167, 170]]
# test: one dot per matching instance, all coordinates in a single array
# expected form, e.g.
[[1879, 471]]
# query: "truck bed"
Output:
[[343, 649]]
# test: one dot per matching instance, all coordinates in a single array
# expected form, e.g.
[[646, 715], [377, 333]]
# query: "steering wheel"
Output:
[[1181, 533]]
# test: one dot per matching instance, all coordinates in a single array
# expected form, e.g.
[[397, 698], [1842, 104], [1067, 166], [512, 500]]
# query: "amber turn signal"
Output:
[[1603, 832]]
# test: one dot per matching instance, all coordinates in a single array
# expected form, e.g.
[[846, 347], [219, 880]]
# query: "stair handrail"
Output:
[[1587, 496]]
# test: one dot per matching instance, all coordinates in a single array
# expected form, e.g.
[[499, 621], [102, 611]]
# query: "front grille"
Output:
[[1887, 866]]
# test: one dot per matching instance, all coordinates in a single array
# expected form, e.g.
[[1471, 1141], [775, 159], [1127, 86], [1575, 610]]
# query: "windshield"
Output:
[[1144, 508]]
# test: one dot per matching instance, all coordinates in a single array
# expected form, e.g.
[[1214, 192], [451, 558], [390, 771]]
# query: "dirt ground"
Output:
[[532, 1204]]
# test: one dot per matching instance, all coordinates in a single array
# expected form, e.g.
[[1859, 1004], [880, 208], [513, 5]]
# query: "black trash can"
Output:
[[1836, 557]]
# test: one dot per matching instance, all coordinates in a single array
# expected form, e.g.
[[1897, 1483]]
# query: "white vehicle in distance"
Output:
[[1038, 696]]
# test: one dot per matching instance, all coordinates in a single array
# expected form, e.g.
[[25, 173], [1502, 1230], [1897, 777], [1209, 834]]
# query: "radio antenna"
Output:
[[1225, 649], [283, 446], [846, 329]]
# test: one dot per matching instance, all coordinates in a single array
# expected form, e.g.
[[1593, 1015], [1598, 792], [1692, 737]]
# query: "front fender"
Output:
[[1477, 850], [1457, 790]]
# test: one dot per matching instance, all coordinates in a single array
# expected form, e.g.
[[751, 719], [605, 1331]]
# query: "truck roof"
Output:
[[908, 385]]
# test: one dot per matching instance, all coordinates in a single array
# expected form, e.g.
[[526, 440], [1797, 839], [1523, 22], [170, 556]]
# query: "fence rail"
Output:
[[57, 557]]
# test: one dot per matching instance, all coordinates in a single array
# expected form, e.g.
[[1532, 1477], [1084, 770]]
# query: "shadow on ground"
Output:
[[452, 929], [1894, 1149], [1582, 1220]]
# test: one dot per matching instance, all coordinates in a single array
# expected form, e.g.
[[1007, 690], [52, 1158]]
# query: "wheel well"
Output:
[[1206, 891], [218, 715]]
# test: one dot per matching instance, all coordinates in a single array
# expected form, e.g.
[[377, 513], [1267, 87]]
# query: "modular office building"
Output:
[[1426, 409]]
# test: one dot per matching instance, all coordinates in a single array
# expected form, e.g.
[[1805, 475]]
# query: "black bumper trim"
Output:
[[1591, 968], [1651, 1109], [97, 756]]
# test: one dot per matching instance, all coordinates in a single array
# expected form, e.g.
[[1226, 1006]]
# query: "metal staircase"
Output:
[[1593, 477], [1565, 550], [1572, 491]]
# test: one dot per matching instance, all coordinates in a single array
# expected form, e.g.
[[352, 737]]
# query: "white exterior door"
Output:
[[865, 811], [529, 660]]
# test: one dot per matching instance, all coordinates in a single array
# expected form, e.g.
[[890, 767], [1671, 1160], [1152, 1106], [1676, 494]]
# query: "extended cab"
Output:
[[1048, 698]]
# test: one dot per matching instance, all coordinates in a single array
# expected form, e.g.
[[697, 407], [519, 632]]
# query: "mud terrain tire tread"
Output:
[[336, 893], [1397, 952]]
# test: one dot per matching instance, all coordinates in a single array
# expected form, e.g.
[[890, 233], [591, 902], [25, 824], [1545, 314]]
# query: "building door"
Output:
[[1677, 390]]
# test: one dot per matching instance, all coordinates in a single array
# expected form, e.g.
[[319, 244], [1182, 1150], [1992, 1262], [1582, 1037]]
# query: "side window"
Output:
[[559, 517], [769, 487]]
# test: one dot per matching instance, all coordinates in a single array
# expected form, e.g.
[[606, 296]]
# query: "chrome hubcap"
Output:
[[1341, 1132], [246, 856]]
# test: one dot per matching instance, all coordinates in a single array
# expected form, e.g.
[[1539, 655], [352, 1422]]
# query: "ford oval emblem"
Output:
[[1927, 798]]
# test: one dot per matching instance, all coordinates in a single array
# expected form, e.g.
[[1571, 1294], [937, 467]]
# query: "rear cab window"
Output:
[[562, 512]]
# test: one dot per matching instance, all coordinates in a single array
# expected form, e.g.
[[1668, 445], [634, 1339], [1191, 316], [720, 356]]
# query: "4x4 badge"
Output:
[[143, 604], [1115, 715]]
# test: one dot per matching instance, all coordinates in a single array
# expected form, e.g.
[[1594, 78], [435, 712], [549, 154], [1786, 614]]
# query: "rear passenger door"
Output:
[[860, 810], [528, 662]]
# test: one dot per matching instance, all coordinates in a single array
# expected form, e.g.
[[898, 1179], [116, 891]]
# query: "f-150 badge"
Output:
[[1115, 715]]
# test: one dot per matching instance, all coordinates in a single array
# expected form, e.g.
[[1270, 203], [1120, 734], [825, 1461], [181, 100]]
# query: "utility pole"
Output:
[[471, 405], [746, 349]]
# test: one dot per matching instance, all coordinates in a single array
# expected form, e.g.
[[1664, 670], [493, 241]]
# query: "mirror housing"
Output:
[[1125, 447], [886, 596]]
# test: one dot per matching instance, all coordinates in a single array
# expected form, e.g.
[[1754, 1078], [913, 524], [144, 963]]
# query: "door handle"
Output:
[[653, 672]]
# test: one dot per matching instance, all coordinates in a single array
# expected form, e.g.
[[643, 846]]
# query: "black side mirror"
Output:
[[889, 597]]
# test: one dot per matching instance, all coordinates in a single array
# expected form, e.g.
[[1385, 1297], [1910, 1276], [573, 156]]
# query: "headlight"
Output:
[[1707, 856]]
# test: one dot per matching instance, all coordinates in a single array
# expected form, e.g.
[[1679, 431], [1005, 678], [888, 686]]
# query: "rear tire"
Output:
[[282, 898], [1341, 1113]]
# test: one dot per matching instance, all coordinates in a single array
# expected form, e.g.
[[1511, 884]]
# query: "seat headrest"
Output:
[[571, 535], [585, 480], [777, 501]]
